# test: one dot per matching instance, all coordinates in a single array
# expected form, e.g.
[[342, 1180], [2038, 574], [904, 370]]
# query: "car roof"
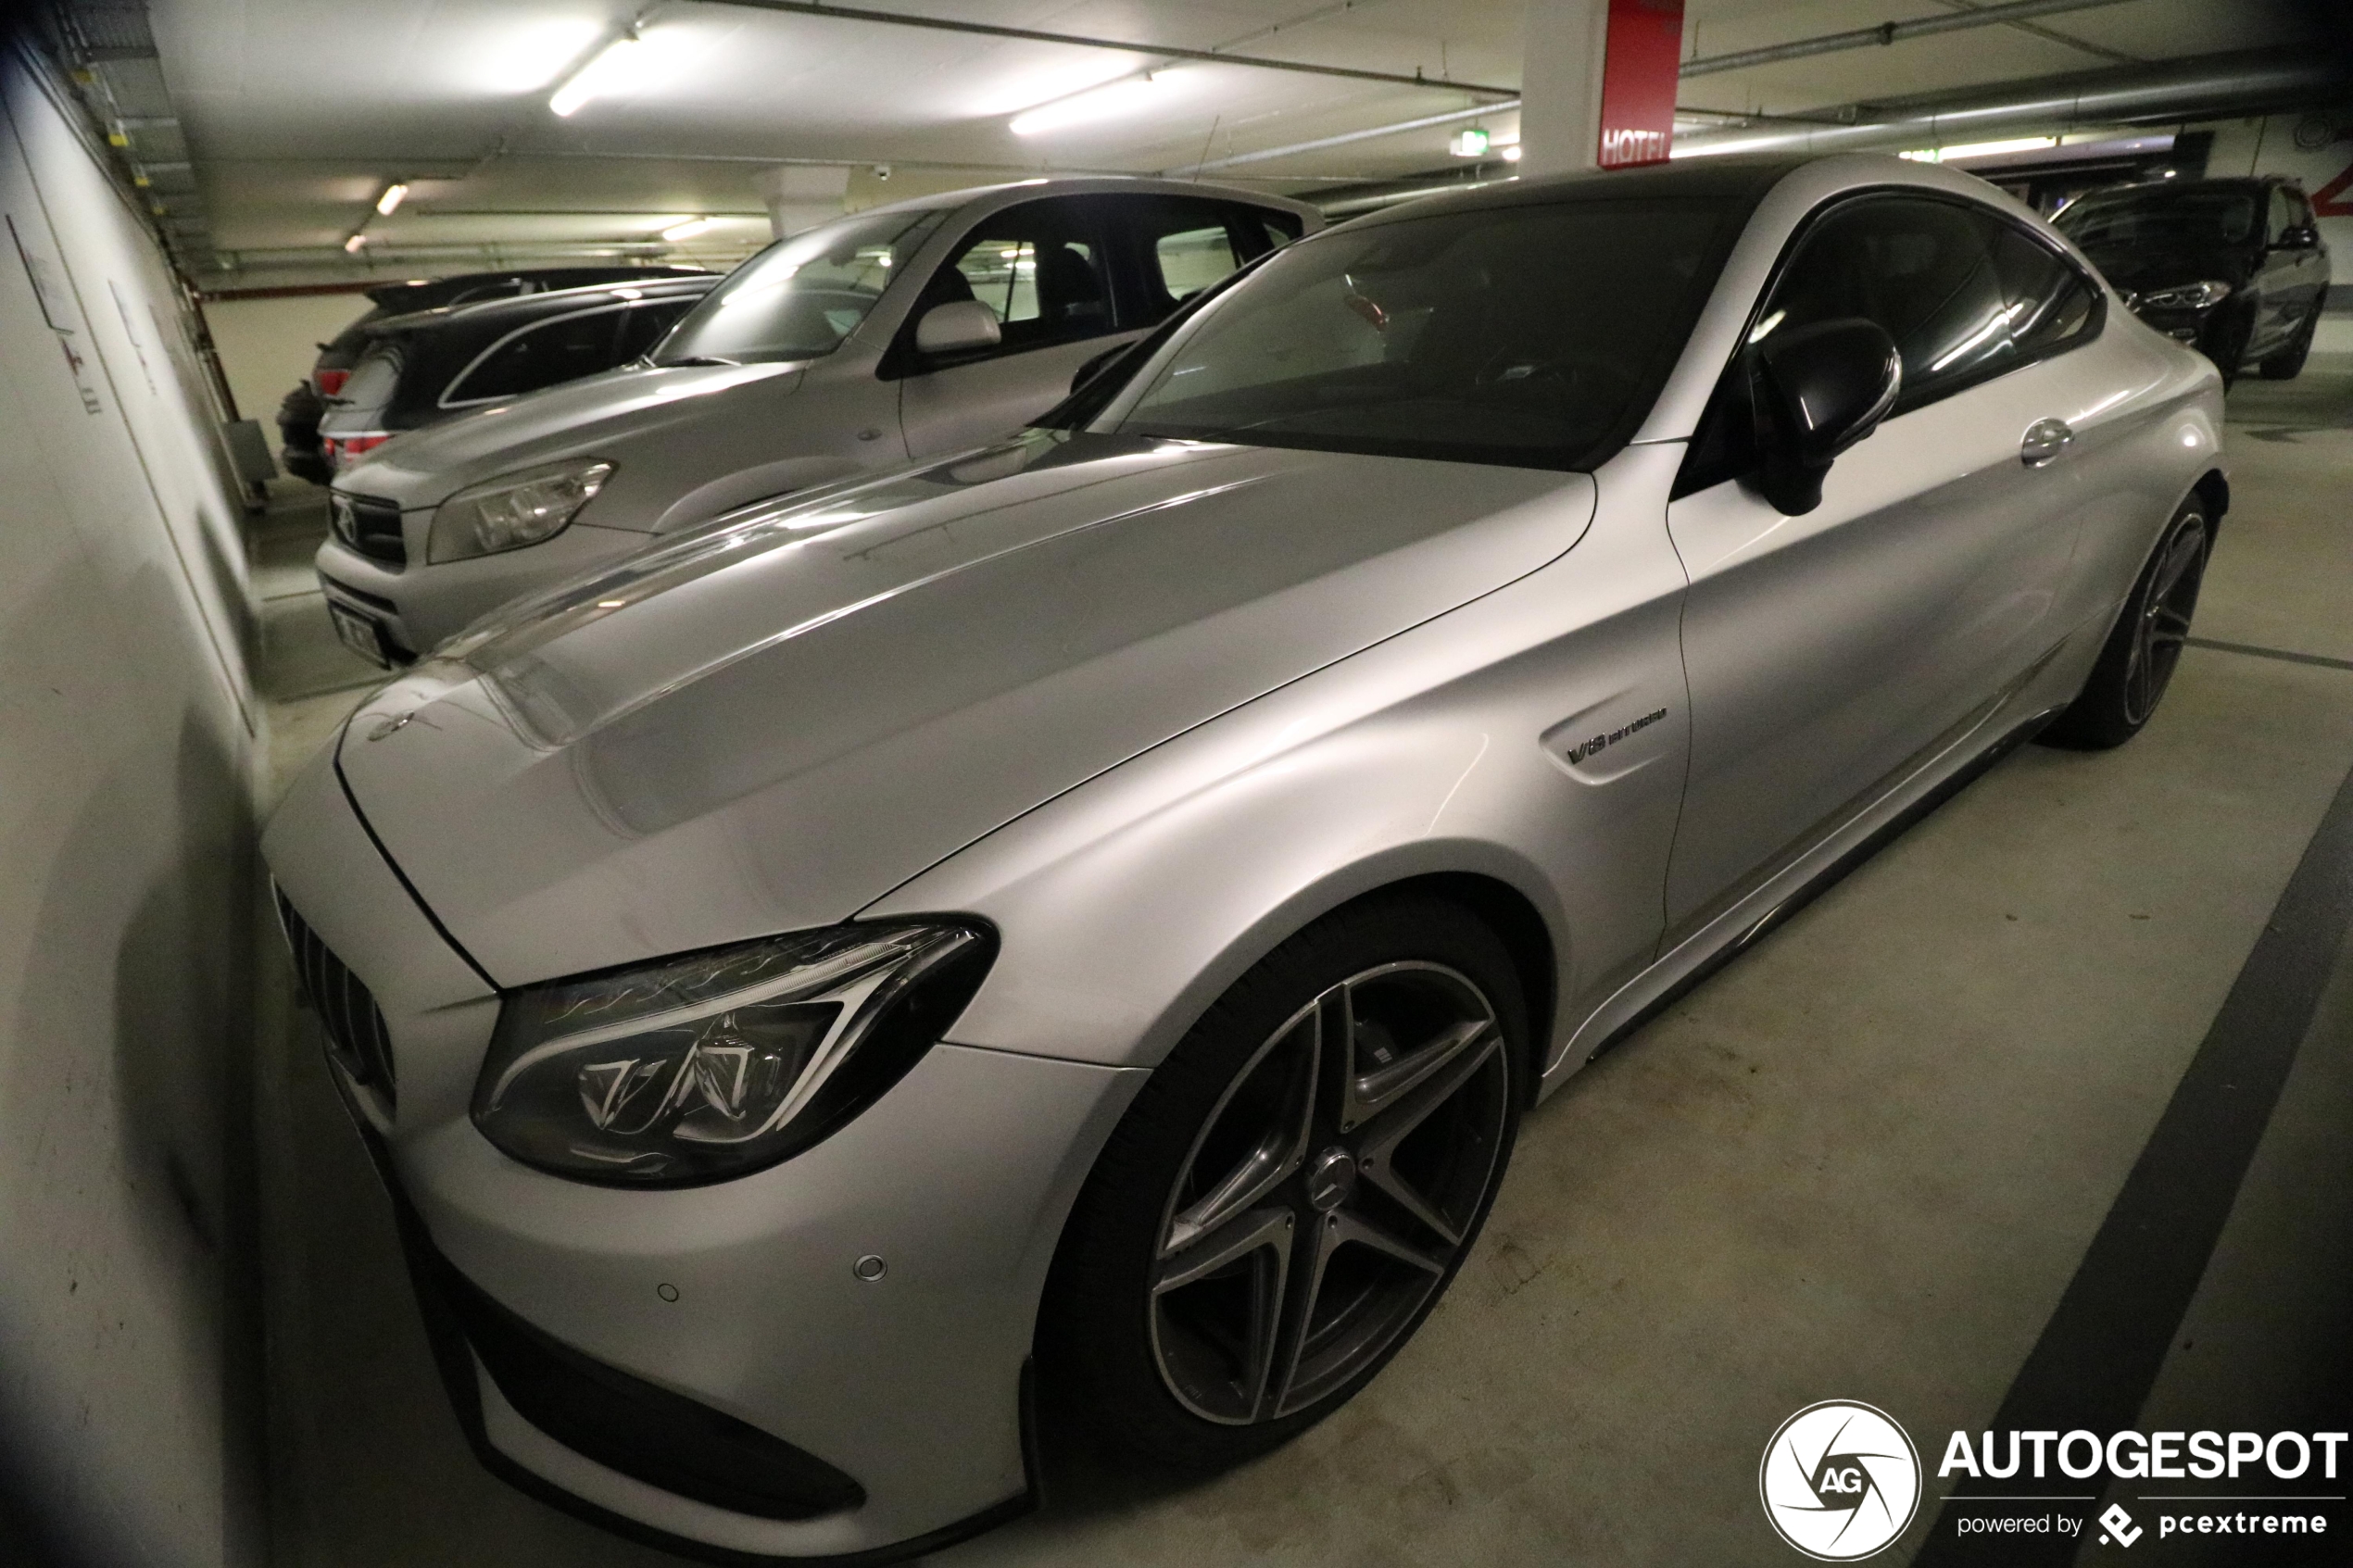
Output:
[[2250, 184], [519, 308], [1091, 184], [395, 296], [1731, 174]]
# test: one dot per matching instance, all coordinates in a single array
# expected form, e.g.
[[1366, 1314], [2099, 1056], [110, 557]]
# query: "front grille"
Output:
[[356, 1040], [368, 524]]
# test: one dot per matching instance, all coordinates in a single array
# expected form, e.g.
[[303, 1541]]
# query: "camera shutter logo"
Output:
[[1840, 1480]]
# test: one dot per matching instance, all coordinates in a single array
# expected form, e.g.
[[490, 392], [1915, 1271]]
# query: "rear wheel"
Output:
[[2137, 664], [2288, 363], [1293, 1189]]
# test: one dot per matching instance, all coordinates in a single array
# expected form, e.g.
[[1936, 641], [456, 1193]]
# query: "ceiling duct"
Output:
[[2223, 84]]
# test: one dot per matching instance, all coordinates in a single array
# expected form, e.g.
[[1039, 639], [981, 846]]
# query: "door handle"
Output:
[[2045, 440]]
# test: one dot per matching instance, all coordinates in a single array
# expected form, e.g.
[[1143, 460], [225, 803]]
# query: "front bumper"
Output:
[[735, 1306], [422, 604]]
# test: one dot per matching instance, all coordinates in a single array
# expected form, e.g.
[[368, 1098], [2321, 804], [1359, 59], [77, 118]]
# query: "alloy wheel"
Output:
[[1329, 1194], [2164, 622]]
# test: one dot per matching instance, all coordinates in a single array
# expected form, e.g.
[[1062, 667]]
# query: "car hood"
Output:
[[768, 723], [2142, 269], [424, 467]]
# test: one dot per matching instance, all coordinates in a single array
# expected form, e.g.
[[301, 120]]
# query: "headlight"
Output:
[[717, 1064], [514, 510], [2189, 297]]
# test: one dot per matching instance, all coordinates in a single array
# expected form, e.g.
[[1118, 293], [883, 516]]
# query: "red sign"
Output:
[[1638, 67]]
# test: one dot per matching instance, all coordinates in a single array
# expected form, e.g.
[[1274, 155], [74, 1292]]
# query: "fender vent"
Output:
[[358, 1042]]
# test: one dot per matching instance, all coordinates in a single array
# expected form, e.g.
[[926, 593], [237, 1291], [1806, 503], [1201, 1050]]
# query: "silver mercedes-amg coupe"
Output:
[[1090, 912]]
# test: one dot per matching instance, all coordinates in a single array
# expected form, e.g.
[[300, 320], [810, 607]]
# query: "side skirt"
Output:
[[1724, 935]]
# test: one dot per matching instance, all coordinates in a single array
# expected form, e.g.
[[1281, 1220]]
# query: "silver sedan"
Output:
[[1091, 912]]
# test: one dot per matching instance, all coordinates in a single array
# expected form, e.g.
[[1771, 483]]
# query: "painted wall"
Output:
[[266, 346], [127, 745]]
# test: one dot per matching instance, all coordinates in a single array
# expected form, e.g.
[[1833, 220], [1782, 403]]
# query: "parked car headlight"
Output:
[[514, 510], [2188, 296], [711, 1066]]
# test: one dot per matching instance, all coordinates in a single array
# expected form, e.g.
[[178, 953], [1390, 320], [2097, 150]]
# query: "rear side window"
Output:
[[1189, 260], [2052, 306], [372, 381], [561, 350]]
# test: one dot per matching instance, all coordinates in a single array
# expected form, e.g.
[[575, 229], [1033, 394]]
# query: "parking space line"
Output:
[[2253, 651], [2100, 1354]]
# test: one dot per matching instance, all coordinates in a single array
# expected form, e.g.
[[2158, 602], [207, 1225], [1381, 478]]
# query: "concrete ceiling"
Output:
[[297, 113]]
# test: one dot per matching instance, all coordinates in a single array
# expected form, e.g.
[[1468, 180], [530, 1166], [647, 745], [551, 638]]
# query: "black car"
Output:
[[2233, 266], [299, 414], [430, 364]]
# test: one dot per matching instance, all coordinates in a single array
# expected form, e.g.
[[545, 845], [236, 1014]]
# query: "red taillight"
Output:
[[342, 449], [329, 383]]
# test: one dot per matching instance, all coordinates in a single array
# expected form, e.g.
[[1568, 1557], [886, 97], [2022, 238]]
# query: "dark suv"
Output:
[[299, 414], [2235, 267], [430, 364]]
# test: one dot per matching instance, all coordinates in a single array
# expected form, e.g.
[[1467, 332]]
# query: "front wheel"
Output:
[[2137, 664], [1292, 1192], [2288, 363]]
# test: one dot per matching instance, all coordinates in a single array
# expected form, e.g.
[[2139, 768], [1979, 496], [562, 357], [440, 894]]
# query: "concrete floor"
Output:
[[1865, 1161]]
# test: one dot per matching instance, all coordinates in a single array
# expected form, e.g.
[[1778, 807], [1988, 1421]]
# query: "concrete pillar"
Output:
[[801, 195], [1560, 114]]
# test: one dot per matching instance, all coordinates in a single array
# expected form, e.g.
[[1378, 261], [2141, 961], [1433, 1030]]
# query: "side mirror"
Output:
[[957, 327], [2302, 237], [1817, 391]]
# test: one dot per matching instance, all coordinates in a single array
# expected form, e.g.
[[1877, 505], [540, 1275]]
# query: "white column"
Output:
[[1560, 113], [801, 195]]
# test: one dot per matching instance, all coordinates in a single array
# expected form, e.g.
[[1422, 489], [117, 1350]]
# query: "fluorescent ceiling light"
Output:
[[1981, 149], [351, 247], [602, 74], [688, 229], [1120, 97], [391, 198]]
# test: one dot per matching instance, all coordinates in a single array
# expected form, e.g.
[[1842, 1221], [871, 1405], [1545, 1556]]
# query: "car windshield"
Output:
[[1532, 335], [800, 297], [2159, 218]]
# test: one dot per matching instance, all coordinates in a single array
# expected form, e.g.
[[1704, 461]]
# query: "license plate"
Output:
[[360, 635]]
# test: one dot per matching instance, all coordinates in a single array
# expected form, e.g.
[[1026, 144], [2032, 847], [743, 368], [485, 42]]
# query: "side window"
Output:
[[1040, 268], [561, 350], [2052, 306], [1920, 268]]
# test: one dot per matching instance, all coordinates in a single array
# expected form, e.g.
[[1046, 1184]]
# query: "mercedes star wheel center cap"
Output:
[[1332, 1179]]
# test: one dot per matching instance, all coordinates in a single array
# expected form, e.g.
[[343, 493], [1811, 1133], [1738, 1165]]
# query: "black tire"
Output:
[[2137, 664], [1153, 1342], [2225, 342], [2288, 363]]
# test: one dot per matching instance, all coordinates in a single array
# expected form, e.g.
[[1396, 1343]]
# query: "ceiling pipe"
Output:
[[1888, 32], [2222, 86], [1127, 46], [1509, 106]]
